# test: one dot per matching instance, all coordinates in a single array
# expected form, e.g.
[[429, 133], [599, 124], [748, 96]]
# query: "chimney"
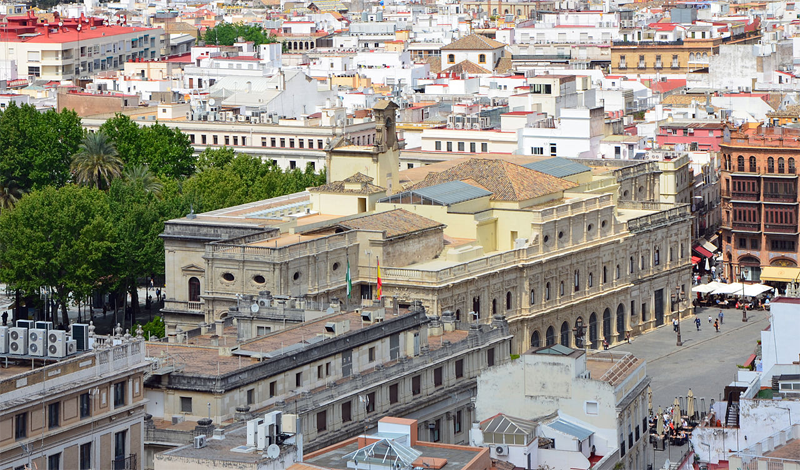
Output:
[[448, 321], [220, 326]]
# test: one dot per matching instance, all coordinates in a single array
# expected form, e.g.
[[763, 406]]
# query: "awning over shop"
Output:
[[780, 274], [695, 259], [702, 251], [709, 246]]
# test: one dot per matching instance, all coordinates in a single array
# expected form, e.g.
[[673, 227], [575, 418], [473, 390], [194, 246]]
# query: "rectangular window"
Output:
[[203, 139], [85, 404], [416, 385], [347, 415], [393, 393], [298, 379], [119, 394], [119, 447], [236, 140], [319, 144], [370, 402], [461, 146], [490, 357], [291, 143], [472, 147], [227, 140], [251, 396], [459, 368], [371, 354], [437, 377], [592, 408], [327, 369], [292, 164], [21, 426], [553, 150], [742, 243], [537, 150], [186, 404], [54, 415], [272, 386], [54, 462], [457, 423], [438, 145], [272, 142], [310, 143], [484, 147], [263, 141], [215, 139], [191, 138], [449, 146], [283, 142], [85, 456], [320, 374], [322, 421], [435, 431], [301, 143]]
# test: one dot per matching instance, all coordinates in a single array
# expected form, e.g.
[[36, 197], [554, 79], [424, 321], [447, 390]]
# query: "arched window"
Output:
[[451, 58], [580, 333], [565, 334], [771, 165], [791, 165], [752, 164], [508, 300], [550, 336], [740, 163], [656, 257], [620, 322], [547, 291], [617, 273], [607, 325], [705, 56], [577, 280], [535, 339], [482, 58], [781, 165], [519, 12], [630, 269], [533, 296], [691, 57], [593, 331], [194, 289], [590, 280], [561, 289]]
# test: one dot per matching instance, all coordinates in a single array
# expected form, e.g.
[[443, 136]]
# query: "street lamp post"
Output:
[[678, 297], [744, 306]]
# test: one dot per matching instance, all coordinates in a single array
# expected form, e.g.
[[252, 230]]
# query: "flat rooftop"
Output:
[[788, 451], [456, 456], [221, 449], [621, 365]]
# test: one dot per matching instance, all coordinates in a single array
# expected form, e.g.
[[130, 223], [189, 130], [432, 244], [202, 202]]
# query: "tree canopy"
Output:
[[225, 34]]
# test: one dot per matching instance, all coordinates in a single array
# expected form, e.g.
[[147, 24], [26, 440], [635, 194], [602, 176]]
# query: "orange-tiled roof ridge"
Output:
[[359, 178], [393, 223], [466, 66], [507, 181], [473, 42]]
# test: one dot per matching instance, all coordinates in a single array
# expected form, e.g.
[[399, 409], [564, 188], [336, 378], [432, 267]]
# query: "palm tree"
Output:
[[96, 161], [10, 192], [141, 174]]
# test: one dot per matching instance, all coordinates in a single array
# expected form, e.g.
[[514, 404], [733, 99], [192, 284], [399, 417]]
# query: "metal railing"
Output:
[[125, 463]]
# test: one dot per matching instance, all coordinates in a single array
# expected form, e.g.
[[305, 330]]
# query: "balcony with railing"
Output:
[[770, 197], [746, 226], [780, 228], [125, 462], [744, 196]]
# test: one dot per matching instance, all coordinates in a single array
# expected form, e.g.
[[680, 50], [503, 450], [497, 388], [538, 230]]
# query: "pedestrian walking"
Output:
[[709, 319], [5, 318], [697, 322], [605, 344], [714, 272], [675, 324], [716, 326], [628, 337], [721, 315], [158, 295]]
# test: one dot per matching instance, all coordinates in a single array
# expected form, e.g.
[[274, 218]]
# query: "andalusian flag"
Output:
[[348, 279], [380, 283]]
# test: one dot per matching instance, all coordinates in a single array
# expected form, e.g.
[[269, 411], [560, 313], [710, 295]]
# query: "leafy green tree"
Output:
[[215, 158], [154, 328], [141, 175], [36, 148], [58, 238], [167, 152], [96, 162], [10, 193], [225, 34]]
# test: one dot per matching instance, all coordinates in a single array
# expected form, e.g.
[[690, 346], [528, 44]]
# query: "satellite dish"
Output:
[[212, 102], [273, 451], [254, 308]]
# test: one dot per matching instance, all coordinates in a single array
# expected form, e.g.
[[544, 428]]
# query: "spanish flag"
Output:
[[380, 283]]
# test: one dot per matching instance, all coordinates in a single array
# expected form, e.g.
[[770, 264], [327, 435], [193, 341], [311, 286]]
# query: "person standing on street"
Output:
[[709, 319], [716, 326], [697, 322], [675, 324], [720, 317]]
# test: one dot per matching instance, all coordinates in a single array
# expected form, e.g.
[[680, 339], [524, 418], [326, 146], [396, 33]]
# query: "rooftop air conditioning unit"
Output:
[[26, 324], [44, 325], [56, 343], [252, 431], [18, 341], [373, 316], [72, 347], [200, 441], [255, 120], [333, 329], [37, 342], [242, 118], [501, 450]]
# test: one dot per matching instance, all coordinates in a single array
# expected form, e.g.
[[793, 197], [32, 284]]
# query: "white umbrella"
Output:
[[732, 289], [706, 288], [708, 265], [752, 290]]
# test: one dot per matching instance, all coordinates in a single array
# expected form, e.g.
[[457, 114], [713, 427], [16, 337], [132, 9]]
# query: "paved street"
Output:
[[706, 362]]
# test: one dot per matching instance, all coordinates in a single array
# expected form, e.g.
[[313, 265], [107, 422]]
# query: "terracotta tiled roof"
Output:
[[392, 223], [435, 63], [507, 181], [474, 42], [790, 111], [339, 187], [466, 66], [503, 65], [359, 178]]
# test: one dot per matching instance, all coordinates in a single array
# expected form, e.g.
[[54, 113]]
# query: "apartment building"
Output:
[[593, 406], [85, 411], [69, 48], [338, 373], [759, 200]]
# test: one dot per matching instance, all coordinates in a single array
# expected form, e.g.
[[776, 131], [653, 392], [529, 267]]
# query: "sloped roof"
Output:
[[392, 223], [558, 167], [503, 65], [466, 66], [474, 42], [444, 194], [505, 424], [359, 178], [506, 181], [386, 452], [435, 63], [339, 186], [571, 429]]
